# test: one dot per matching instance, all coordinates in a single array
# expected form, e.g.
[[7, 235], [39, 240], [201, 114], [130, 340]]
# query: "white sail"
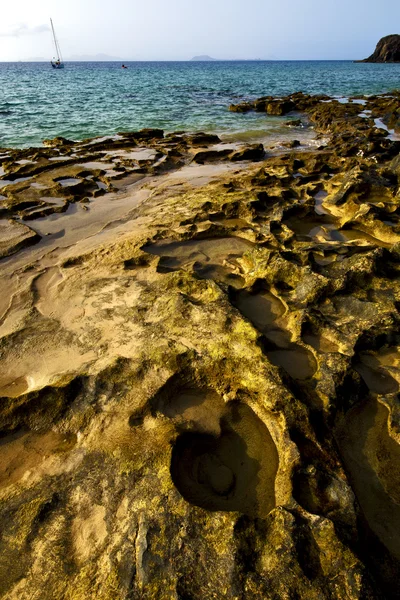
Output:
[[59, 62]]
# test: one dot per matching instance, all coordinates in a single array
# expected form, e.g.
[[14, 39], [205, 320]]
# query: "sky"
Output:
[[181, 29]]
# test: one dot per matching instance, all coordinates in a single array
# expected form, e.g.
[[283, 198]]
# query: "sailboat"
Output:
[[58, 63]]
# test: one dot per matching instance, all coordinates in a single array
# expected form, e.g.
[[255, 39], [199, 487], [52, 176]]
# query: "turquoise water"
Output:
[[91, 99]]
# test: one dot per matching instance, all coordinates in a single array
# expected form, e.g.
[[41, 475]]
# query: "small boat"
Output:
[[58, 62]]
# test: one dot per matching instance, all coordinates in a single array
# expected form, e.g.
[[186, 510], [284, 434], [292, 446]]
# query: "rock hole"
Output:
[[295, 360], [234, 471], [262, 308], [371, 455]]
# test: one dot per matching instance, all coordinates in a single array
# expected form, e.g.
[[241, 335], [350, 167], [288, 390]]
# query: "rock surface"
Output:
[[387, 50], [14, 236], [200, 366]]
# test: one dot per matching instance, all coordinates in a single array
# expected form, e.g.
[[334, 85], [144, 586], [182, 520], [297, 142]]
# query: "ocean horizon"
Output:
[[189, 60]]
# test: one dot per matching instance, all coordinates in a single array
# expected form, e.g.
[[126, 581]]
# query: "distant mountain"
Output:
[[203, 57], [93, 57]]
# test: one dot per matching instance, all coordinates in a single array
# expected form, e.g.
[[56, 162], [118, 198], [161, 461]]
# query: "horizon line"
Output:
[[194, 61]]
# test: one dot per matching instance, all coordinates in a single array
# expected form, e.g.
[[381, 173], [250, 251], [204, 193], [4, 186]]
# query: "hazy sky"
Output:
[[180, 29]]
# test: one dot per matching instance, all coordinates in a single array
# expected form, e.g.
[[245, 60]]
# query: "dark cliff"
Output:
[[387, 50]]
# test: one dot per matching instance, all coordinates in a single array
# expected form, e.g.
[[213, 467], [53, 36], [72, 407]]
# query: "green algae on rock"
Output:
[[200, 366]]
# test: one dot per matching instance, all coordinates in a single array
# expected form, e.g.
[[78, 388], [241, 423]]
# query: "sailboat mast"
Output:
[[57, 47]]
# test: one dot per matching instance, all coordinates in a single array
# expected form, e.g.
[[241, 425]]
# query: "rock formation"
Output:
[[199, 383], [387, 50]]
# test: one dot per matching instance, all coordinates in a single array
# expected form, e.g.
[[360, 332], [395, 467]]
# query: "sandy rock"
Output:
[[14, 236], [200, 373]]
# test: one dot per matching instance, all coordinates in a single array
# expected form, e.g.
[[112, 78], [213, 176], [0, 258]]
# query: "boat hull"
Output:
[[60, 66]]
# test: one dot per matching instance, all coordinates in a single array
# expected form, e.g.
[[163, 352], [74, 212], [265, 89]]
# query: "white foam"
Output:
[[393, 136]]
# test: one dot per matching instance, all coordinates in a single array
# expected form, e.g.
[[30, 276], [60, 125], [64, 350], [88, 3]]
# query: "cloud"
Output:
[[22, 29]]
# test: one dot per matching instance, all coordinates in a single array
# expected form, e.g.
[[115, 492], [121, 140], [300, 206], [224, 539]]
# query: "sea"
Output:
[[88, 99]]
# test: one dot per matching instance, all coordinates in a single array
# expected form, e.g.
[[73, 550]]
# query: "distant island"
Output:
[[387, 51], [203, 57]]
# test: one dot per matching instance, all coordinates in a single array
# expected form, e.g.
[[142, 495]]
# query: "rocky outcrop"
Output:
[[200, 369], [57, 141], [270, 105], [387, 50], [251, 152]]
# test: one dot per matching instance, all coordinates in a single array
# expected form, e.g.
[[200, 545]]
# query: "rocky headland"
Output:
[[387, 50], [200, 362]]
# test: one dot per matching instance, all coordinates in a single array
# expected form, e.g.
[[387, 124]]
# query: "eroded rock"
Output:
[[14, 236], [199, 373]]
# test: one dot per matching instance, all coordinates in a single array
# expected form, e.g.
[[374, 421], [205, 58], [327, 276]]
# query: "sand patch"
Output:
[[23, 452], [89, 532]]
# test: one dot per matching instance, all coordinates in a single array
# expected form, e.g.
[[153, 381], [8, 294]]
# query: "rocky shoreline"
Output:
[[200, 362]]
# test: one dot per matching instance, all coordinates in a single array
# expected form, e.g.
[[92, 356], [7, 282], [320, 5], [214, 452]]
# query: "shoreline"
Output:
[[199, 351], [44, 180], [173, 96]]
